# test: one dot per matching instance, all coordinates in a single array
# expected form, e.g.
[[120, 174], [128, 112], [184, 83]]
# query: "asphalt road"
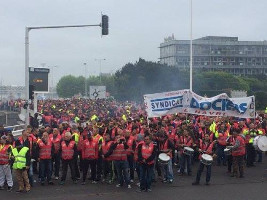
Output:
[[253, 186]]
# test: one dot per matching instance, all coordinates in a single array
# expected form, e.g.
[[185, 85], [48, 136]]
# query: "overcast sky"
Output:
[[137, 27]]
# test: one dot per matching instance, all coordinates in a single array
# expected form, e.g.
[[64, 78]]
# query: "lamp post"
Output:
[[100, 62], [27, 31], [52, 79], [85, 80], [191, 47]]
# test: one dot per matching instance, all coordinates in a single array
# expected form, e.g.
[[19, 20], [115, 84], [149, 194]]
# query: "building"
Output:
[[217, 53], [17, 92]]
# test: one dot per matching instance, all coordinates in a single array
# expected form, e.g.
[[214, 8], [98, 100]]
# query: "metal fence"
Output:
[[9, 118]]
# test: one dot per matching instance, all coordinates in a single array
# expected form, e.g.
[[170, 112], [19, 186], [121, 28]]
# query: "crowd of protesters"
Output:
[[12, 105], [116, 142]]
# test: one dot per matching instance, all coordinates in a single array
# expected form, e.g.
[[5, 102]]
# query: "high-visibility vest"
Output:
[[89, 149], [147, 151], [45, 149], [55, 141], [94, 117], [119, 153], [76, 119], [76, 137], [241, 150], [165, 147], [206, 148], [222, 138], [252, 135], [171, 135], [20, 158], [30, 140], [136, 150], [4, 157], [265, 110], [130, 141], [98, 138], [105, 148], [213, 127], [67, 151]]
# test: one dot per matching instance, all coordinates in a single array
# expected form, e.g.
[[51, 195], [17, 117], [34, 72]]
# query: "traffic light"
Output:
[[31, 91], [104, 25]]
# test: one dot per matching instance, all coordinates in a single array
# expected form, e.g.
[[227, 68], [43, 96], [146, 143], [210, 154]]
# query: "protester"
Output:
[[45, 151], [68, 152], [22, 161], [5, 170], [146, 158]]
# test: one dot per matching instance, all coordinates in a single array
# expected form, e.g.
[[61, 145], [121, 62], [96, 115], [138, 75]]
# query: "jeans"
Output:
[[92, 164], [251, 153], [238, 165], [221, 155], [138, 170], [146, 172], [56, 161], [99, 167], [130, 159], [46, 169], [200, 170], [30, 175], [229, 162], [187, 159], [122, 171], [76, 168], [167, 170], [107, 170], [259, 153], [65, 164]]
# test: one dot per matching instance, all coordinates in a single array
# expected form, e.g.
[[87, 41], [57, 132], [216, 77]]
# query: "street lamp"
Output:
[[100, 61], [52, 79], [85, 80], [191, 47]]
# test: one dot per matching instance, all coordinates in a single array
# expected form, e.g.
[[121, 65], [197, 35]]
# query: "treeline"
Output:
[[132, 81]]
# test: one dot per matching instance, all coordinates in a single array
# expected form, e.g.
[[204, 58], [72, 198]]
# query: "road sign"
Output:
[[38, 77]]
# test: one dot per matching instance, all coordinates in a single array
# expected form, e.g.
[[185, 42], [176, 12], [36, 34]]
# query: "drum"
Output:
[[227, 152], [260, 143], [163, 159], [206, 159], [188, 151], [255, 142]]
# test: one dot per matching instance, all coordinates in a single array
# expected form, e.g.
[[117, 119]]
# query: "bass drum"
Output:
[[163, 159], [261, 143], [255, 142], [188, 151], [227, 152], [206, 159]]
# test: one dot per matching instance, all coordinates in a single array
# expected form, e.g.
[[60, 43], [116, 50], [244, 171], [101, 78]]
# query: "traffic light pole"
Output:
[[27, 30]]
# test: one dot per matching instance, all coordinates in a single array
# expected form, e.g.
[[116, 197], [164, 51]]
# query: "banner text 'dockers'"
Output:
[[219, 105]]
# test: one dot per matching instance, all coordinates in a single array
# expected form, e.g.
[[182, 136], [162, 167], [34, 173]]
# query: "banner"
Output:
[[184, 101]]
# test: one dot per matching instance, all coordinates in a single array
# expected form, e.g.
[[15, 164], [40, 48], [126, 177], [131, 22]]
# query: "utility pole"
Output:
[[100, 66], [85, 80]]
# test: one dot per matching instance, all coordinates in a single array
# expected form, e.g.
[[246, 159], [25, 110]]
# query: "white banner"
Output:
[[184, 101]]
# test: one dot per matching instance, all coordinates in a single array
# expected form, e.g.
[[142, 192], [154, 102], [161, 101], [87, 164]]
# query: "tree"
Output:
[[70, 85]]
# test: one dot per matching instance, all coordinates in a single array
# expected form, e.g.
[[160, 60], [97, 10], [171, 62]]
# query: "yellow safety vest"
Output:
[[76, 137], [20, 157]]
